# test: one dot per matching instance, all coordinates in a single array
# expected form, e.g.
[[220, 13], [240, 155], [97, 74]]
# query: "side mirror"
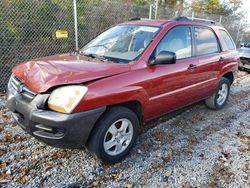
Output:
[[164, 57], [242, 44]]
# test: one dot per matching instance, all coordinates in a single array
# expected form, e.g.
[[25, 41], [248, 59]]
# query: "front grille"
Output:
[[21, 88]]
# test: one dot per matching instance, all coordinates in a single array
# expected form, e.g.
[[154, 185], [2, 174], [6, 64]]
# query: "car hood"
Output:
[[244, 49], [41, 74], [244, 52]]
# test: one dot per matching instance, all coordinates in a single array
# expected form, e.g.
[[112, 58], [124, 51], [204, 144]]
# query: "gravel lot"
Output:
[[194, 147]]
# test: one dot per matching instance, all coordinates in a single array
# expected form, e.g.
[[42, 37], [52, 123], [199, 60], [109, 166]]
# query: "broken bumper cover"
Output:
[[53, 128]]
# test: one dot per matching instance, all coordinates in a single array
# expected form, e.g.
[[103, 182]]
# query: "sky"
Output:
[[246, 7]]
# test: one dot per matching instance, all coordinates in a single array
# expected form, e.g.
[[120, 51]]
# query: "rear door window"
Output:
[[205, 41], [227, 40]]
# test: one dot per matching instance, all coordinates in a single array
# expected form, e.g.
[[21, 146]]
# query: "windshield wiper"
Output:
[[102, 58], [95, 56]]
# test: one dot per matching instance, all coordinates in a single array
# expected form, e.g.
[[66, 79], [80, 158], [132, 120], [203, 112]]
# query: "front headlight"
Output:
[[64, 99]]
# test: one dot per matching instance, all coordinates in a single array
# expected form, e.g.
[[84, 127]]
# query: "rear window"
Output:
[[227, 40], [206, 41]]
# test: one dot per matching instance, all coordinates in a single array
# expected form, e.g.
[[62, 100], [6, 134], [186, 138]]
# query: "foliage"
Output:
[[210, 6]]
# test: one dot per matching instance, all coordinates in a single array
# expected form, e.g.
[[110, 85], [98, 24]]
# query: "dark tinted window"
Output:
[[228, 41], [177, 40], [206, 41]]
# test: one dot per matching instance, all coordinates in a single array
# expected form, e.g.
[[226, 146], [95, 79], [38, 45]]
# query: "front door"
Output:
[[172, 84]]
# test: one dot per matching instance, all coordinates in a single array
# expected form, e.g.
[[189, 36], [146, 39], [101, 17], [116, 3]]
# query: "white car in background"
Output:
[[244, 53]]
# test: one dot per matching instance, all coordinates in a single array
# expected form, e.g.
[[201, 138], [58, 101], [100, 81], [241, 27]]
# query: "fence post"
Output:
[[150, 11], [192, 15], [220, 19], [238, 33], [76, 25], [156, 8]]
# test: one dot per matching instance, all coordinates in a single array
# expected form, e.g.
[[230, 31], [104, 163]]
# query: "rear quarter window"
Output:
[[205, 41], [227, 40]]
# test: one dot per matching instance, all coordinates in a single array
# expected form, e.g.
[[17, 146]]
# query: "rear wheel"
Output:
[[114, 134], [219, 98]]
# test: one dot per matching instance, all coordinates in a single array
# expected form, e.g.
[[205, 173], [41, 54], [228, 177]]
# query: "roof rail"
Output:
[[183, 18], [136, 19]]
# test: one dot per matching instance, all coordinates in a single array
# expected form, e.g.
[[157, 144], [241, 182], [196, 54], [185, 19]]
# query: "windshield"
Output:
[[122, 43]]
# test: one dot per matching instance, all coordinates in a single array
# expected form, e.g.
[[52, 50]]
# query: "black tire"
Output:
[[95, 143], [212, 101]]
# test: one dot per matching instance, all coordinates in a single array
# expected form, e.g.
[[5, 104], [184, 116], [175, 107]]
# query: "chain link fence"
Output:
[[96, 16], [27, 30], [231, 22], [28, 27]]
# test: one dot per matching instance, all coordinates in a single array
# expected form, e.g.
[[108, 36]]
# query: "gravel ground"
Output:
[[194, 147]]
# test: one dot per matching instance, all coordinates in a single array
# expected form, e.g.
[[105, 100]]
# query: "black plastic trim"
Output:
[[53, 128]]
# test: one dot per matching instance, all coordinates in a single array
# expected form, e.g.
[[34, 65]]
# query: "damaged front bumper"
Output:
[[61, 130]]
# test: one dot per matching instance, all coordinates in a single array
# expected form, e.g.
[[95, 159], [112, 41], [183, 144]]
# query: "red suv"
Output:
[[128, 75]]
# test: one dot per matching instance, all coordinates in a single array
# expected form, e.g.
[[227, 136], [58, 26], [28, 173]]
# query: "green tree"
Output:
[[229, 7], [210, 6], [177, 5], [213, 6]]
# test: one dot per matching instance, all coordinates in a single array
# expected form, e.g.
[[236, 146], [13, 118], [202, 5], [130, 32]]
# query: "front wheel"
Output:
[[219, 98], [114, 134]]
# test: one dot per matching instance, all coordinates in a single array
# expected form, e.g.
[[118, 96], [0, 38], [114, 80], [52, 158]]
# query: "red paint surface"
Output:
[[41, 74], [159, 89]]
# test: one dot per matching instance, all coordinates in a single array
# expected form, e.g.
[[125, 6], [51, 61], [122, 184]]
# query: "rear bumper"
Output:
[[53, 128]]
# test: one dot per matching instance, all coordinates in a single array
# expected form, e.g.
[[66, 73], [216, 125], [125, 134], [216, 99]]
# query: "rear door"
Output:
[[208, 60]]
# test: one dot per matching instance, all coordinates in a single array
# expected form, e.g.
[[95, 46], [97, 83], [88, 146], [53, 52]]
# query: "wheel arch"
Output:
[[229, 76], [133, 105]]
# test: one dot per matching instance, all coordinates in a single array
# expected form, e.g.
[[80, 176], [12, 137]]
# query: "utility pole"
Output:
[[76, 25]]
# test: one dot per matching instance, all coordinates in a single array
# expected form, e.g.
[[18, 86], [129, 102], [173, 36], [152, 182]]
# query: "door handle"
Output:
[[192, 66], [221, 59]]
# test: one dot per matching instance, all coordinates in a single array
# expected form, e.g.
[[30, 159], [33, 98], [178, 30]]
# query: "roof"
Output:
[[179, 20], [157, 23]]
